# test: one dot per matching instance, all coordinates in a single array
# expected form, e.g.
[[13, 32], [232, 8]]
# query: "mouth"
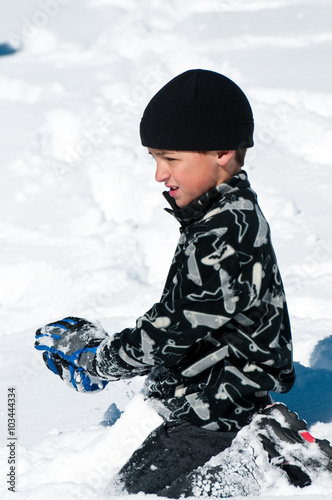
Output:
[[172, 190]]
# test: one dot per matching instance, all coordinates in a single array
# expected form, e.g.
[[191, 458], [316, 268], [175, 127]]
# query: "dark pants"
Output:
[[161, 465]]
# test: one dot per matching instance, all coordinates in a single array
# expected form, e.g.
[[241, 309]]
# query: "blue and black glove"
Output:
[[70, 347]]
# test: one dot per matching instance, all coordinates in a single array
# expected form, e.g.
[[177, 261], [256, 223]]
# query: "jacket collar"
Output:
[[202, 205]]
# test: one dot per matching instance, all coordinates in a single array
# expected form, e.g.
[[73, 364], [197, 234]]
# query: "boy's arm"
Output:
[[215, 284]]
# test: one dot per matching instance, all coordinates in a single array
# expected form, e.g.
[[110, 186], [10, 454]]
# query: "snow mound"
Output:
[[322, 354]]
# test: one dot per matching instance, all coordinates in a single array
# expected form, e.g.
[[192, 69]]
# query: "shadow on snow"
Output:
[[311, 395]]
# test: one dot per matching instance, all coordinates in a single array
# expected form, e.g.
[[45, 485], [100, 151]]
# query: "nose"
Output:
[[162, 172]]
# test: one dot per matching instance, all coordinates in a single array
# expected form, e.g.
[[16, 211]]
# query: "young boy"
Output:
[[219, 339]]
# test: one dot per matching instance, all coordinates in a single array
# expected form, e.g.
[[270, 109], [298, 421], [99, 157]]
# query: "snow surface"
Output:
[[82, 226]]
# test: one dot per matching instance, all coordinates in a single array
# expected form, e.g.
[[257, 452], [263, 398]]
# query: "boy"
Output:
[[219, 339]]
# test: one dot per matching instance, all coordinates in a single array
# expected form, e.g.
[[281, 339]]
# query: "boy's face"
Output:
[[188, 174]]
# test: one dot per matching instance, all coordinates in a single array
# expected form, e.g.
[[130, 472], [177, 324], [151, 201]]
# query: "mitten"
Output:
[[70, 347], [75, 377]]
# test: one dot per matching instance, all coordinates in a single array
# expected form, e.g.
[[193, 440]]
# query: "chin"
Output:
[[181, 204]]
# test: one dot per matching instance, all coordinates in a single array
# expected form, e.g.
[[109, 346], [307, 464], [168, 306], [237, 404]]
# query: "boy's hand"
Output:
[[70, 347], [74, 376]]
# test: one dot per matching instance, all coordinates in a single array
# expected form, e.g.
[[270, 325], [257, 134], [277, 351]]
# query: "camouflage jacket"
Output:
[[219, 339]]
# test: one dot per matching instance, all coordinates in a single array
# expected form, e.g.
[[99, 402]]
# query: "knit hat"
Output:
[[199, 110]]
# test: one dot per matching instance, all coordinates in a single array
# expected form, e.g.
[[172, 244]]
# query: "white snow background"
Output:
[[82, 226]]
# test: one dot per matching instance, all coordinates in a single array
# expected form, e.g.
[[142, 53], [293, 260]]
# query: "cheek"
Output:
[[199, 187]]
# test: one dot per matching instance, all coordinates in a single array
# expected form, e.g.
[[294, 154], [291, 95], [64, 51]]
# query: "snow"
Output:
[[82, 226]]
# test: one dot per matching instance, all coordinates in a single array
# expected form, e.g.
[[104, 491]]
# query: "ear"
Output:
[[224, 157]]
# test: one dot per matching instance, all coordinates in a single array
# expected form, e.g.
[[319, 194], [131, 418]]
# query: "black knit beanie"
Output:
[[199, 110]]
